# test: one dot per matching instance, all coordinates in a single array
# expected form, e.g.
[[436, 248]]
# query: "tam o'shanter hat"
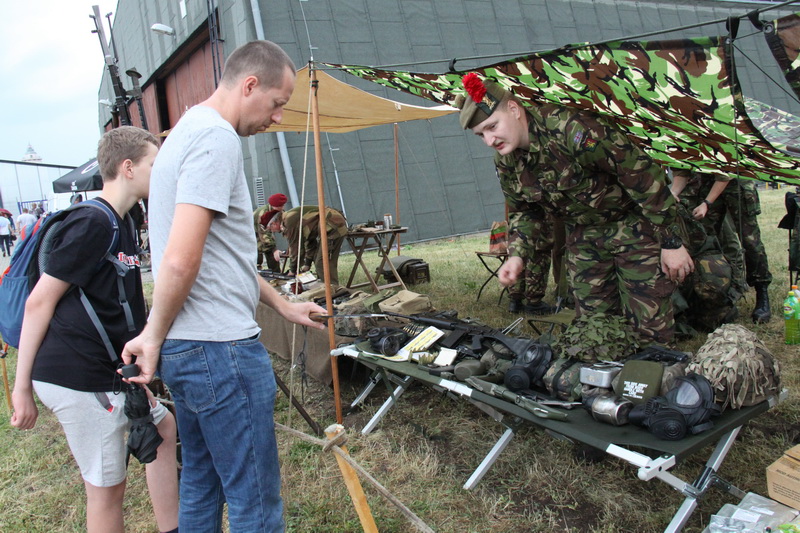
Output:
[[483, 98]]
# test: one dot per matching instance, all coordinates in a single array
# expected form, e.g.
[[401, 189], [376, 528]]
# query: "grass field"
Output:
[[425, 449]]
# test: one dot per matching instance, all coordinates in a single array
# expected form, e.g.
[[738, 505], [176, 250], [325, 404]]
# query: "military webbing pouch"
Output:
[[563, 379], [639, 380], [406, 303], [371, 302], [685, 408]]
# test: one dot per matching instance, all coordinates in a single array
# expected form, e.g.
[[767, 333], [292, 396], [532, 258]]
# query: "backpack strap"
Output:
[[121, 268]]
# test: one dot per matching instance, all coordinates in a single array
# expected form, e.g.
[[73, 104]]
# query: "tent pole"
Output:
[[323, 237], [396, 183]]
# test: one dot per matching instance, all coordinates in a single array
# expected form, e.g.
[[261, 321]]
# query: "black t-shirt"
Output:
[[72, 353]]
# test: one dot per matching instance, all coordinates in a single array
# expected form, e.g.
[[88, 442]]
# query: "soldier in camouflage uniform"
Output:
[[527, 293], [310, 251], [739, 201], [623, 248], [267, 246]]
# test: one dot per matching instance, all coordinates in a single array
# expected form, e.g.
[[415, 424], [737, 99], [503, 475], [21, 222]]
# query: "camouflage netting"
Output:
[[678, 99], [741, 369], [597, 337]]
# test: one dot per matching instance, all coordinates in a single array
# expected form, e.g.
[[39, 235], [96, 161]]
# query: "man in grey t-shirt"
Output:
[[202, 324]]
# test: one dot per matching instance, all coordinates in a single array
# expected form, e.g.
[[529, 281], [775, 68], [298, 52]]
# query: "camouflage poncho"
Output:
[[679, 100]]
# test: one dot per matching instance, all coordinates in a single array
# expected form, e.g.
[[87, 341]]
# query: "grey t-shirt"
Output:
[[200, 163]]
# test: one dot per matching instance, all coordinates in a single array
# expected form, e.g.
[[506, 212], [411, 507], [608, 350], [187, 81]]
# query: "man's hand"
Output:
[[700, 212], [145, 352], [25, 410], [277, 255], [299, 313], [676, 264], [510, 271]]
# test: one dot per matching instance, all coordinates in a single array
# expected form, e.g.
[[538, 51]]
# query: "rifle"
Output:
[[477, 334]]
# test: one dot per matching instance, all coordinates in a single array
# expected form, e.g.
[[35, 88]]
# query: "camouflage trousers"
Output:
[[267, 253], [740, 200], [615, 268], [532, 284]]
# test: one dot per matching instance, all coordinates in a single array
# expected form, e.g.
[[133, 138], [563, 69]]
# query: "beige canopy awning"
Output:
[[344, 108]]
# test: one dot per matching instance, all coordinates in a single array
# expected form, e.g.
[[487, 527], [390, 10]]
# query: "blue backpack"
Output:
[[30, 260]]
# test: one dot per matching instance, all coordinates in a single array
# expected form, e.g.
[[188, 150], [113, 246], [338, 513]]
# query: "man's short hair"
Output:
[[263, 59], [119, 144]]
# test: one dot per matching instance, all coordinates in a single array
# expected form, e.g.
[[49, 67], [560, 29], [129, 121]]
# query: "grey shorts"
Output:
[[96, 434]]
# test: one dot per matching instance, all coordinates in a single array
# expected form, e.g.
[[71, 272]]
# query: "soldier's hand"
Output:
[[676, 264], [510, 271], [700, 212]]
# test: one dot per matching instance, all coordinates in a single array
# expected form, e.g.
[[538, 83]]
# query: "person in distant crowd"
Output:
[[64, 359], [5, 235], [267, 247], [25, 222], [737, 199], [37, 211], [76, 199], [310, 248], [202, 334], [623, 248]]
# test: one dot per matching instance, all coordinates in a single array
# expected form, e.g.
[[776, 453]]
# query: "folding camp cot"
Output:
[[622, 442]]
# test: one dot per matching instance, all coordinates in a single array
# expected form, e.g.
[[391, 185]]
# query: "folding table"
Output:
[[383, 240], [655, 463]]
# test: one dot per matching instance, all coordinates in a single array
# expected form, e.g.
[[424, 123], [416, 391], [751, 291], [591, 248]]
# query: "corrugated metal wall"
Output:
[[447, 183]]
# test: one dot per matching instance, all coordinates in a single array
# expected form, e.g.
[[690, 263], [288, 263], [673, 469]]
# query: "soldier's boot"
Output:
[[761, 313], [539, 308], [515, 305]]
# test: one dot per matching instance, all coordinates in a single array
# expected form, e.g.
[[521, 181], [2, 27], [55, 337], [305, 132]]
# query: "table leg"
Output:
[[390, 401], [490, 459]]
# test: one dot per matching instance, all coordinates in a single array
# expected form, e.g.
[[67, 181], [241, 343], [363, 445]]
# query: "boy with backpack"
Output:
[[63, 355]]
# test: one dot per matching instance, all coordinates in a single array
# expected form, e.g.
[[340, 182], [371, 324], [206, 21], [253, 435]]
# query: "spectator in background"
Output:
[[25, 223], [5, 235]]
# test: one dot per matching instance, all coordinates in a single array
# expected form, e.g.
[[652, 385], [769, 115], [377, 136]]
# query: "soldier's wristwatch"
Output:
[[673, 242]]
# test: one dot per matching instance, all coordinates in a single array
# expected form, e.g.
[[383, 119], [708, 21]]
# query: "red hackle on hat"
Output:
[[474, 87]]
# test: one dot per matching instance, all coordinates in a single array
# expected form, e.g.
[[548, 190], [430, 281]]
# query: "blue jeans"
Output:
[[224, 396]]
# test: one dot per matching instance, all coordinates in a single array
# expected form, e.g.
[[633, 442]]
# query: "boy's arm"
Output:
[[39, 310], [176, 275]]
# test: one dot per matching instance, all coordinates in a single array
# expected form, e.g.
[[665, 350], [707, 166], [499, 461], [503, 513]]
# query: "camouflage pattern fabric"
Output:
[[709, 295], [679, 100], [310, 251], [615, 269], [740, 201], [739, 366], [581, 170], [597, 337], [780, 128], [563, 379], [265, 241], [782, 37], [532, 283]]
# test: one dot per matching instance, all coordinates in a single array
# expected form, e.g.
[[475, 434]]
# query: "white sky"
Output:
[[51, 69]]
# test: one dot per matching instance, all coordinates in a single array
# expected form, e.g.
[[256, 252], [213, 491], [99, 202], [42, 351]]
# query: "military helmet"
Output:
[[739, 366]]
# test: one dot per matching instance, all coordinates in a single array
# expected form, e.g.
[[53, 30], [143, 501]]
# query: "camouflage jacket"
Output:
[[584, 171], [336, 227], [264, 237]]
